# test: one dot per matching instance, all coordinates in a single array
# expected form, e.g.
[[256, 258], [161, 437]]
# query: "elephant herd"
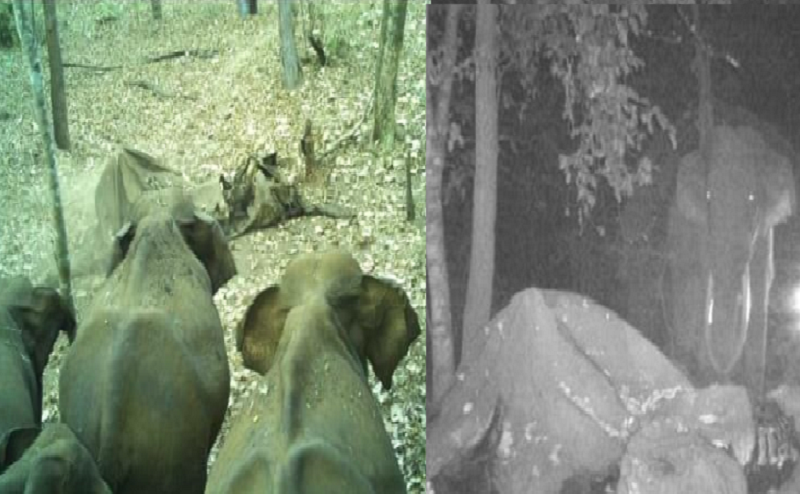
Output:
[[145, 384]]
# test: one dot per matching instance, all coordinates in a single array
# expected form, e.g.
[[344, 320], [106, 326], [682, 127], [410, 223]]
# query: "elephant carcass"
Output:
[[30, 319], [56, 462], [146, 384], [561, 384], [721, 243], [258, 198], [315, 427]]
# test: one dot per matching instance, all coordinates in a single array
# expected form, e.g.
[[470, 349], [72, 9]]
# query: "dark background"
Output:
[[618, 256]]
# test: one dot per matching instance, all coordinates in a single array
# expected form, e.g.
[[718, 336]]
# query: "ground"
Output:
[[201, 114]]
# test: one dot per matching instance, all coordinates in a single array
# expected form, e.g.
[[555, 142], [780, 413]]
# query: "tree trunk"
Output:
[[156, 5], [440, 348], [58, 97], [31, 51], [478, 304], [392, 27], [292, 75], [247, 7]]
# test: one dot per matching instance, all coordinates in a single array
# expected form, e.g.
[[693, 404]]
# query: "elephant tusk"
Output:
[[709, 301], [747, 302]]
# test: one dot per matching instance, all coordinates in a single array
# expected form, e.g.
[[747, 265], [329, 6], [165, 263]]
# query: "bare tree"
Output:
[[58, 97], [391, 45], [31, 50], [478, 304], [292, 74], [441, 366], [156, 6]]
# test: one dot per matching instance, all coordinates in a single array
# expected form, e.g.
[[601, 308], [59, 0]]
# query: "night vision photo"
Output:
[[613, 248]]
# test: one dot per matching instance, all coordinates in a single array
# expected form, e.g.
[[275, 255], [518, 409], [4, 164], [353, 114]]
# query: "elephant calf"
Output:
[[55, 463], [146, 384], [315, 427], [30, 318]]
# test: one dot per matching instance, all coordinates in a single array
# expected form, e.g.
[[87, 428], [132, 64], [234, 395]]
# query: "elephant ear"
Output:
[[258, 334], [690, 193], [40, 314], [119, 249], [206, 239], [14, 443], [389, 325]]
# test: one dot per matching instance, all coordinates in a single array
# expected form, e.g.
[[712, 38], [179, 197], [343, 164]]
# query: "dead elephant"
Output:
[[146, 384], [315, 427], [30, 319]]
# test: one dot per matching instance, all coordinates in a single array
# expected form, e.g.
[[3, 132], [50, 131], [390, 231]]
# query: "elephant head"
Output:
[[55, 462], [314, 425], [750, 189], [201, 233], [376, 315], [30, 319]]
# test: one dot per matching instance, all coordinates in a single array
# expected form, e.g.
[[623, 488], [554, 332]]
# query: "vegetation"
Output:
[[201, 114]]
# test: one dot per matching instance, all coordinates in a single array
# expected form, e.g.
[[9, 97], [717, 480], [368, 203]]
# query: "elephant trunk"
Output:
[[727, 318]]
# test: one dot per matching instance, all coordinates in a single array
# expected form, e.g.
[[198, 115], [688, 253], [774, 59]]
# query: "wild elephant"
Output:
[[146, 384], [30, 319], [315, 426], [56, 463], [721, 247], [557, 388]]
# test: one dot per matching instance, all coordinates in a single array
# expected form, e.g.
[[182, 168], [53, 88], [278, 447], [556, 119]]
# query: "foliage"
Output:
[[8, 31], [587, 48]]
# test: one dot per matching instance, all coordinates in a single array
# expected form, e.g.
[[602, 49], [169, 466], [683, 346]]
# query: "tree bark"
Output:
[[292, 74], [156, 6], [31, 51], [391, 45], [440, 348], [58, 97], [478, 304], [247, 7]]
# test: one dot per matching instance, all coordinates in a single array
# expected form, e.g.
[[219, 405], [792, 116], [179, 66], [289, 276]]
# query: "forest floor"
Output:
[[200, 116]]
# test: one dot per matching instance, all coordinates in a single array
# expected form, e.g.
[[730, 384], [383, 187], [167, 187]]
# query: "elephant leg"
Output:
[[687, 248], [754, 356]]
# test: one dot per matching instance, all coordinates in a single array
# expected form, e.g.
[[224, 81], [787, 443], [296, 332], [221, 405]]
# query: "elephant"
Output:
[[56, 463], [557, 386], [315, 426], [30, 319], [721, 246], [146, 384]]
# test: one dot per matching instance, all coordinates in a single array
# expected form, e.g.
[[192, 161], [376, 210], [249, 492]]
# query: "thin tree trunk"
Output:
[[156, 6], [35, 65], [392, 27], [292, 74], [247, 7], [441, 368], [478, 304], [58, 96]]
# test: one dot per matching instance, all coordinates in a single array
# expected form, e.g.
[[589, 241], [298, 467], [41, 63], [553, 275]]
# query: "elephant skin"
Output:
[[721, 253], [663, 458], [56, 463], [566, 384], [30, 319], [146, 384], [315, 426]]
